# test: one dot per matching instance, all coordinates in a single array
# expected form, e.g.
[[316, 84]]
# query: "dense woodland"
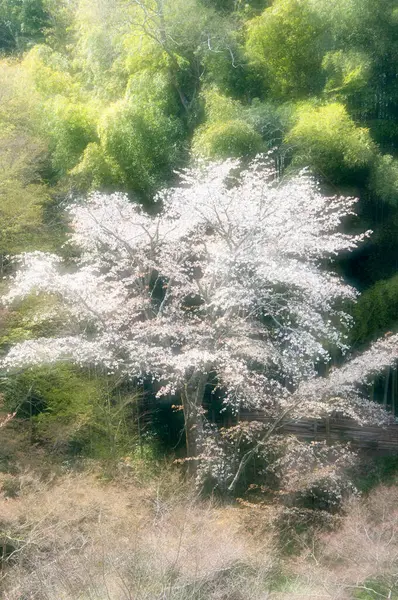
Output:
[[150, 105]]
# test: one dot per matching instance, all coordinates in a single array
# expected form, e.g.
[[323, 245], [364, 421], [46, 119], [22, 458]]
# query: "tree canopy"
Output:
[[209, 285]]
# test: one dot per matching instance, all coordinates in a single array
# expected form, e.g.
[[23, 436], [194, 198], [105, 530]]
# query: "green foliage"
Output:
[[384, 179], [18, 98], [131, 143], [223, 5], [142, 141], [23, 161], [22, 195], [347, 72], [239, 6], [50, 72], [58, 390], [141, 136], [230, 72], [22, 23], [71, 126], [272, 121], [96, 170], [376, 471], [74, 411], [355, 23], [144, 54], [326, 138], [285, 44], [219, 107], [227, 139], [174, 37], [59, 30], [225, 133], [384, 131], [67, 120], [97, 26], [21, 217], [367, 28], [25, 323], [376, 311]]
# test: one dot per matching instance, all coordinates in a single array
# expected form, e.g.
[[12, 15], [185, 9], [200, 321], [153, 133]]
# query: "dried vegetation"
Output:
[[67, 534]]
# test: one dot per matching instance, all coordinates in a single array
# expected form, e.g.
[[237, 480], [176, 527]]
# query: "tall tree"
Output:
[[226, 280]]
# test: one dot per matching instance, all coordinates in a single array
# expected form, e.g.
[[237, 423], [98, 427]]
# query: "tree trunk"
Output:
[[192, 402], [386, 382]]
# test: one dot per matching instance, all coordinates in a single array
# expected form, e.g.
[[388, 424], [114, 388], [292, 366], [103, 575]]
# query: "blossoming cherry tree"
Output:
[[228, 278]]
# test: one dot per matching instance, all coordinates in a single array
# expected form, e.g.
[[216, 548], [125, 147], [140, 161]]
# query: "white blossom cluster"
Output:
[[342, 391], [312, 471], [227, 277], [301, 469]]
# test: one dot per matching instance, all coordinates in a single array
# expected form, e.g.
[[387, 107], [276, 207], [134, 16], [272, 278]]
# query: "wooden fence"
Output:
[[380, 440]]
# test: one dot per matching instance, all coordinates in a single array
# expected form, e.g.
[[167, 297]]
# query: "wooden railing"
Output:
[[379, 439]]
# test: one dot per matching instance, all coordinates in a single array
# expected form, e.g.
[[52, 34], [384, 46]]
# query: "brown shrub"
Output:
[[80, 538]]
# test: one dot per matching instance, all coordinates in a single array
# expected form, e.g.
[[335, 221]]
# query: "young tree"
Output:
[[228, 279], [285, 43]]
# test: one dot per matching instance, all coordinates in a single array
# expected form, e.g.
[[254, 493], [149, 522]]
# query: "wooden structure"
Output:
[[380, 440]]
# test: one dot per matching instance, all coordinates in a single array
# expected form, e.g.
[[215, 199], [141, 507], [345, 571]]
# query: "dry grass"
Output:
[[76, 536], [364, 549], [367, 543], [79, 538]]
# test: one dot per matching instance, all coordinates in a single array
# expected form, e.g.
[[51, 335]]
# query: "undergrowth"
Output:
[[132, 527]]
